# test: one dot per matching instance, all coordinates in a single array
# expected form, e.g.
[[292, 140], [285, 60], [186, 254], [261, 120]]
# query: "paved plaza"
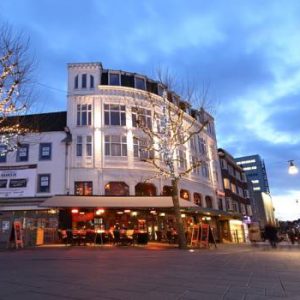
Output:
[[229, 272]]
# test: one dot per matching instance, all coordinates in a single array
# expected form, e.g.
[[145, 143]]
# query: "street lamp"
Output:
[[292, 168]]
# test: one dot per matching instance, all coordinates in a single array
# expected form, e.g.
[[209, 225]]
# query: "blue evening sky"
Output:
[[247, 52]]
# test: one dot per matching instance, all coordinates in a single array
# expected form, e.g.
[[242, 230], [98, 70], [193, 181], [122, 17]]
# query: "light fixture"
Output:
[[99, 211], [134, 213], [127, 211], [292, 168], [74, 211]]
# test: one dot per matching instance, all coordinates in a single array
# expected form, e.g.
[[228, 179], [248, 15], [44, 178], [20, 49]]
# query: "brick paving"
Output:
[[229, 272]]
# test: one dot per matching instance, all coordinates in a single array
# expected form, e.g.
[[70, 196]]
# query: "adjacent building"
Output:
[[237, 196], [255, 170]]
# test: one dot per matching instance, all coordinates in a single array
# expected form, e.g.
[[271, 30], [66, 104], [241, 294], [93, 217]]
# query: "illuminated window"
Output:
[[226, 183], [83, 188], [255, 181], [84, 114], [145, 189], [115, 188], [198, 199], [233, 188], [184, 194], [257, 188], [115, 145], [114, 115]]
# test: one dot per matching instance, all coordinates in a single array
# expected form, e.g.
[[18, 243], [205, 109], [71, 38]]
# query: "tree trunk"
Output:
[[179, 223]]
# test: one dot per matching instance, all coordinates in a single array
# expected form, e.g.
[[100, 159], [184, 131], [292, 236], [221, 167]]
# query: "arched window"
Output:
[[208, 202], [76, 82], [198, 199], [145, 189], [167, 190], [184, 194], [116, 188], [83, 81], [91, 81]]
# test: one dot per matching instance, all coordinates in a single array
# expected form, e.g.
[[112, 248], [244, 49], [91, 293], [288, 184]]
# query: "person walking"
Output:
[[271, 234]]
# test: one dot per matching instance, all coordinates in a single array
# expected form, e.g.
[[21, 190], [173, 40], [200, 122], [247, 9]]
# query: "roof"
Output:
[[45, 122], [113, 202]]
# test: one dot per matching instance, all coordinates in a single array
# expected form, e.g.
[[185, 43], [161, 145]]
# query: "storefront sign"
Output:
[[18, 181]]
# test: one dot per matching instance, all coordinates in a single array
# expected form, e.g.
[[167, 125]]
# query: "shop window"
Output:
[[84, 114], [83, 188], [114, 115], [184, 194], [22, 153], [208, 201], [167, 190], [115, 145], [44, 183], [198, 199], [3, 153], [145, 189], [45, 151], [115, 188]]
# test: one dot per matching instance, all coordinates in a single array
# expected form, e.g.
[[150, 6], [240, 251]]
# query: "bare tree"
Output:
[[175, 126], [16, 66]]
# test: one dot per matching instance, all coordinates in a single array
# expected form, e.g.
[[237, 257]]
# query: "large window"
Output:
[[141, 117], [209, 203], [79, 145], [3, 153], [114, 79], [23, 152], [226, 183], [201, 145], [140, 149], [115, 145], [114, 115], [45, 151], [116, 188], [205, 170], [43, 183], [167, 190], [83, 188], [140, 83], [195, 162], [84, 114]]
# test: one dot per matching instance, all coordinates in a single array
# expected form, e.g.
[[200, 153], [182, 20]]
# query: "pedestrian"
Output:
[[271, 234], [292, 235]]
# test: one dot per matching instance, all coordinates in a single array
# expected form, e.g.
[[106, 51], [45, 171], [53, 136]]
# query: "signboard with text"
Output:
[[18, 181]]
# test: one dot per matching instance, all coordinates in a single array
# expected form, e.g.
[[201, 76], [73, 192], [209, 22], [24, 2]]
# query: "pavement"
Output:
[[152, 272]]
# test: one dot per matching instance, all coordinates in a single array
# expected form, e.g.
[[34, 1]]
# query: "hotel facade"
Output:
[[91, 169]]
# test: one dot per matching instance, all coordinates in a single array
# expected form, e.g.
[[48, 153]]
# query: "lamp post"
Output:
[[292, 168]]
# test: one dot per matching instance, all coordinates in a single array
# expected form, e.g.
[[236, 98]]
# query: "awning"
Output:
[[113, 202]]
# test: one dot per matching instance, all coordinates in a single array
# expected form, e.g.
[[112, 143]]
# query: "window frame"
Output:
[[18, 158], [111, 111], [122, 144], [84, 109], [41, 157], [39, 186]]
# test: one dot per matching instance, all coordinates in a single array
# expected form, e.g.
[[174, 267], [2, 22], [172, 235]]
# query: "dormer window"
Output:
[[91, 81], [76, 82], [83, 81], [140, 83], [114, 79]]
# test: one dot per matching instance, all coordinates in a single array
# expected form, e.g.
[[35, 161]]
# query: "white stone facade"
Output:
[[92, 165]]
